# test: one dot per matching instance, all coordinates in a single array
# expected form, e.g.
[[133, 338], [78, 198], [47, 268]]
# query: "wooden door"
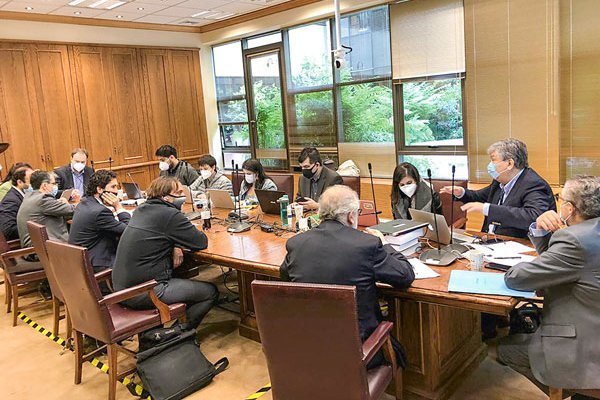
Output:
[[93, 93], [190, 127], [158, 99], [129, 131], [19, 116], [56, 105]]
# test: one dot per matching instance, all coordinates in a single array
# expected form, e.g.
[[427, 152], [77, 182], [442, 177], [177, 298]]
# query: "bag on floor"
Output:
[[525, 319], [175, 367]]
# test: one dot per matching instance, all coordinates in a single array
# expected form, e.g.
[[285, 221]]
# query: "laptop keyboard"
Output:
[[192, 215]]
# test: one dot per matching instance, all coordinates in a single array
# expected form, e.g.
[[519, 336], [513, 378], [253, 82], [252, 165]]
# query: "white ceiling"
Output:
[[172, 12]]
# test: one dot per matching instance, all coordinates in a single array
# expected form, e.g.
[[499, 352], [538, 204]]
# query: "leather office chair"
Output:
[[284, 182], [39, 235], [557, 394], [102, 317], [352, 182], [18, 272], [460, 216], [310, 338], [12, 245]]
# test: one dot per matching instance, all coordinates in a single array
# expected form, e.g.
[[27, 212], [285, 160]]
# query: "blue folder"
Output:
[[482, 283]]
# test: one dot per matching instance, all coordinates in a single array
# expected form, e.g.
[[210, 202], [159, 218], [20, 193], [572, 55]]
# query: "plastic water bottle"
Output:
[[284, 202]]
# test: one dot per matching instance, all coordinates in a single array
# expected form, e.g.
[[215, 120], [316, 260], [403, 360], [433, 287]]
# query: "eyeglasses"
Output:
[[558, 197]]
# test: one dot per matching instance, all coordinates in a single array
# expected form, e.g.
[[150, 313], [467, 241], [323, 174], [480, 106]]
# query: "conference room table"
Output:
[[440, 330]]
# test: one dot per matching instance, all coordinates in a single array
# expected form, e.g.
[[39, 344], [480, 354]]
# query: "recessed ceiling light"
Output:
[[226, 15], [28, 8], [97, 3], [119, 16], [200, 13], [115, 5], [75, 2], [77, 13], [140, 8]]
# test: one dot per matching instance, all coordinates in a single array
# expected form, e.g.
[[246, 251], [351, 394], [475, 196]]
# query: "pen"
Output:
[[507, 258]]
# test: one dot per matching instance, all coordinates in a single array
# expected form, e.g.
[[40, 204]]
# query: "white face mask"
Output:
[[564, 220], [250, 178], [409, 190], [163, 166], [205, 173], [78, 166]]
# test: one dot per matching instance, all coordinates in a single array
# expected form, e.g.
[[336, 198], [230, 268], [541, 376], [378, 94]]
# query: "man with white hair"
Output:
[[335, 252], [565, 351], [516, 196]]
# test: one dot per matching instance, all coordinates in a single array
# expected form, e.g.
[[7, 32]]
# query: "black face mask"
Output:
[[309, 173], [178, 201]]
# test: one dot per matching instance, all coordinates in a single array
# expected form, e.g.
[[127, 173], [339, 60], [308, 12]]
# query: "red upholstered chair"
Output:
[[460, 216], [102, 317], [352, 182], [310, 338], [18, 272]]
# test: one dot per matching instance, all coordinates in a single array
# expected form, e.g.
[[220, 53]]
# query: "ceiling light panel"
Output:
[[146, 8], [77, 12]]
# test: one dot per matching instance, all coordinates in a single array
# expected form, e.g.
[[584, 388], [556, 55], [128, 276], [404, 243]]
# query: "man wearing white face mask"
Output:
[[409, 191], [170, 165], [335, 252], [210, 177], [565, 351], [76, 175], [516, 196]]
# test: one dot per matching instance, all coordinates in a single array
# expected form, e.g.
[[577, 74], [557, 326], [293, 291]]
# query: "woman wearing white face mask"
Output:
[[254, 178], [409, 191]]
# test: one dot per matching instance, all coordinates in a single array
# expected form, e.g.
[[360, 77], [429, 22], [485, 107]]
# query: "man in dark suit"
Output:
[[565, 351], [335, 252], [94, 225], [9, 207], [315, 178], [76, 175], [516, 196]]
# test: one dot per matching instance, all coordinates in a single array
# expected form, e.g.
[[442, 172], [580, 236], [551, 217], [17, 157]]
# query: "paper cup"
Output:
[[476, 260]]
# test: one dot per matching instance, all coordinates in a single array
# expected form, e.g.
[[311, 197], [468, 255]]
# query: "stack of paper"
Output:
[[405, 240], [422, 271]]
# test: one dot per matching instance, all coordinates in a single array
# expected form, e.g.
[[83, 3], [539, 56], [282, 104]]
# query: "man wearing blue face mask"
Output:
[[76, 175], [42, 207], [516, 196], [9, 207]]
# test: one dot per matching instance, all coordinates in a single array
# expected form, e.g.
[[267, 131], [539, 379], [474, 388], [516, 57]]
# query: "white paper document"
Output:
[[422, 271], [511, 260], [509, 247]]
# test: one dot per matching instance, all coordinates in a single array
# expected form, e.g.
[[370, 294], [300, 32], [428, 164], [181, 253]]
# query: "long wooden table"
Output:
[[440, 330]]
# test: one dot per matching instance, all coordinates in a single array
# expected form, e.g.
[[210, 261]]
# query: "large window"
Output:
[[231, 103], [431, 121]]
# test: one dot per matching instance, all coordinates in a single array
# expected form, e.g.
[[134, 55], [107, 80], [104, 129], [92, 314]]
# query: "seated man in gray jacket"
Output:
[[210, 177], [565, 351], [40, 206]]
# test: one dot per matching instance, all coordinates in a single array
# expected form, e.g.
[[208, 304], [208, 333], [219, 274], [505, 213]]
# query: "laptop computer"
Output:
[[398, 226], [443, 229], [221, 199], [268, 200], [133, 190]]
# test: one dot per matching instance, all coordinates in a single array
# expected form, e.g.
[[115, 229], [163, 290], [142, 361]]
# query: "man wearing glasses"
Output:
[[315, 178], [42, 207]]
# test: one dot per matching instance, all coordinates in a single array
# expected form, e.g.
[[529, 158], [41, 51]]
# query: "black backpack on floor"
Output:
[[172, 365]]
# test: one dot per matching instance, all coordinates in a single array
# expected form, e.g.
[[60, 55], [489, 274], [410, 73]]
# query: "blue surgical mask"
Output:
[[54, 191], [178, 201], [491, 168], [28, 189]]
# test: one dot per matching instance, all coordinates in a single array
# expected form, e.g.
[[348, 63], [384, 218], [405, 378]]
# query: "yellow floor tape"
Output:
[[95, 362], [260, 392]]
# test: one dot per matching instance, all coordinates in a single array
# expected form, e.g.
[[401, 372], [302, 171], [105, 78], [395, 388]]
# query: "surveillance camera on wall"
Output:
[[338, 58]]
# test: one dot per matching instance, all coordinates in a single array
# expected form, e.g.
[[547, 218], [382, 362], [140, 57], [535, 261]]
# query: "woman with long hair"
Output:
[[254, 178], [410, 191]]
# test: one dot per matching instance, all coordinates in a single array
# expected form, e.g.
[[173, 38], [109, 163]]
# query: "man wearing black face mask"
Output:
[[94, 224], [315, 179], [150, 249]]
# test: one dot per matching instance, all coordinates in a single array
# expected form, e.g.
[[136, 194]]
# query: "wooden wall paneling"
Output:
[[19, 120], [129, 132], [156, 70], [139, 175], [202, 129], [94, 97], [56, 104], [185, 103]]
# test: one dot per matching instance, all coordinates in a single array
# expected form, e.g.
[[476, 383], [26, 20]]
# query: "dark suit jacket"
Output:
[[65, 177], [333, 253], [528, 199], [328, 178], [9, 207], [95, 227]]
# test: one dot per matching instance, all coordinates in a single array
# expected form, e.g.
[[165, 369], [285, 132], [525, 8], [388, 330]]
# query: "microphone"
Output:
[[137, 187], [373, 192], [454, 246], [239, 226], [436, 256]]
